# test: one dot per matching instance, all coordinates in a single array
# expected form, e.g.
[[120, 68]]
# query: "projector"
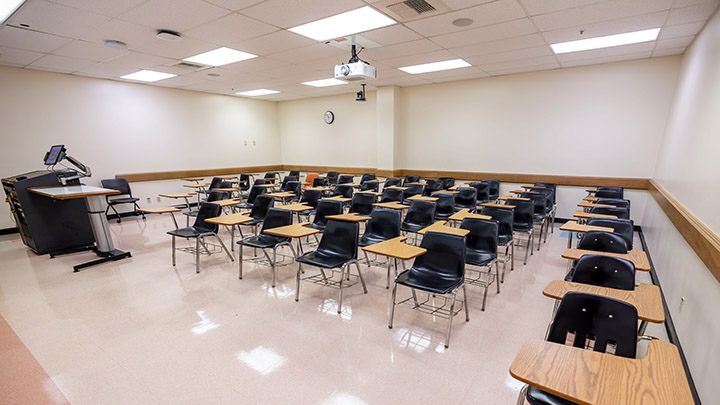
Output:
[[355, 71]]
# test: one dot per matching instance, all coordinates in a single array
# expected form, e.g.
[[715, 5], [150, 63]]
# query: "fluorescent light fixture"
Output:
[[9, 7], [258, 92], [606, 41], [220, 56], [350, 22], [148, 76], [324, 83], [435, 66]]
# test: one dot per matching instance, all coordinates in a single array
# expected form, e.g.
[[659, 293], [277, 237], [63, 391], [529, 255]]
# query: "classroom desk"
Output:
[[523, 192], [195, 179], [228, 189], [184, 196], [370, 192], [163, 210], [398, 187], [320, 188], [227, 203], [590, 198], [590, 377], [228, 177], [573, 227], [421, 198], [351, 217], [587, 204], [199, 187], [339, 198], [591, 190], [586, 215], [392, 205], [232, 220], [446, 192], [282, 194], [439, 226], [271, 185], [95, 202], [637, 257], [465, 213], [508, 197], [529, 187], [294, 231], [395, 249], [493, 205]]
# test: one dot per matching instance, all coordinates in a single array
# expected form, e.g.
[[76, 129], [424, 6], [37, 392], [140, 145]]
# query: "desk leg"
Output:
[[174, 221], [101, 231], [571, 235], [643, 326]]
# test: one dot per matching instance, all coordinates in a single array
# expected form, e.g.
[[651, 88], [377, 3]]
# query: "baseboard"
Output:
[[9, 231]]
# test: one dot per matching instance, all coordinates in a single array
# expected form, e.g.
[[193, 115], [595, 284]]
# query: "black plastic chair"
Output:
[[504, 217], [286, 179], [445, 206], [618, 202], [320, 182], [255, 191], [346, 179], [604, 271], [391, 195], [270, 177], [410, 178], [621, 213], [420, 215], [324, 209], [523, 221], [483, 191], [391, 181], [337, 249], [213, 196], [367, 176], [384, 224], [332, 177], [275, 218], [244, 183], [481, 251], [370, 186], [294, 187], [362, 203], [493, 189], [624, 227], [432, 186], [123, 187], [412, 190], [609, 192], [259, 211], [295, 173], [601, 241], [440, 271], [311, 198], [466, 198], [260, 182], [343, 190], [216, 182], [594, 322], [540, 215], [447, 182], [200, 230]]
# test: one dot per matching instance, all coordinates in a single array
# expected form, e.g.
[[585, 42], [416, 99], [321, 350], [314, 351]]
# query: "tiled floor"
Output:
[[141, 331]]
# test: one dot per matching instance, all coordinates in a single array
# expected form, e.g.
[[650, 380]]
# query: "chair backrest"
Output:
[[332, 177], [445, 205], [332, 174], [391, 194], [244, 182], [411, 178], [370, 185], [367, 176], [345, 179], [550, 186], [295, 173], [618, 202], [286, 179], [539, 202], [504, 218], [340, 239], [217, 196], [483, 191], [493, 188], [225, 184], [523, 212], [432, 186], [207, 210], [270, 176], [259, 182], [421, 213], [622, 213], [319, 182], [254, 192], [362, 203], [310, 179], [445, 255], [624, 227], [597, 319], [344, 190], [549, 197], [325, 208], [275, 218], [391, 181], [447, 182], [261, 206], [466, 198], [413, 189], [609, 192], [384, 224], [605, 271], [216, 182], [120, 185], [293, 187], [601, 241], [311, 197], [483, 236]]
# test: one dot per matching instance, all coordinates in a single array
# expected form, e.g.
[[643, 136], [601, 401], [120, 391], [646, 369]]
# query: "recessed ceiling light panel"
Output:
[[258, 92], [606, 41], [9, 7], [148, 76], [435, 66], [340, 25], [220, 56], [324, 83]]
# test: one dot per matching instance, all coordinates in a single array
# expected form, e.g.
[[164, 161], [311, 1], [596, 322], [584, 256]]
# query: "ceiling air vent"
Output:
[[192, 66], [409, 10]]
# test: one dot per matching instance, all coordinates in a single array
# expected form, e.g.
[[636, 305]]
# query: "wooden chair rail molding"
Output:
[[179, 174], [704, 241]]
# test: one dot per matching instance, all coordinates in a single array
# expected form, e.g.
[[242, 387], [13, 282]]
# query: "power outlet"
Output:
[[149, 200], [682, 304], [158, 199], [253, 143], [245, 143]]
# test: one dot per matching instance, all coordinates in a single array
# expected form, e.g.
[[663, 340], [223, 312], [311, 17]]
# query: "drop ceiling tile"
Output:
[[278, 41], [230, 29], [178, 81], [528, 53], [681, 30], [184, 48], [524, 69], [176, 15], [606, 52], [57, 19], [674, 42], [60, 64], [204, 74], [503, 45], [142, 60], [521, 63], [609, 59], [328, 64], [107, 70], [418, 59], [535, 7], [700, 12], [109, 8], [594, 13], [460, 4], [685, 3], [668, 52], [480, 74], [290, 13], [629, 24], [407, 48], [393, 34], [319, 50], [17, 56], [482, 15], [88, 50], [255, 65], [135, 36], [30, 40], [234, 5], [490, 33], [466, 71]]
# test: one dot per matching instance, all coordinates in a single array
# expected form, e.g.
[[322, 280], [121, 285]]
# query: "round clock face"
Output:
[[329, 117]]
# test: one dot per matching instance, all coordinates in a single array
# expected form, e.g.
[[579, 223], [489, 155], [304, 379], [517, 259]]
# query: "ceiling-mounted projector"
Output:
[[356, 69]]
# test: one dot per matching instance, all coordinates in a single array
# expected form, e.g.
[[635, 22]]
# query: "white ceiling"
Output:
[[506, 37]]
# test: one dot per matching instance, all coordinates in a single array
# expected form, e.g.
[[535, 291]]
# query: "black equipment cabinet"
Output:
[[48, 225]]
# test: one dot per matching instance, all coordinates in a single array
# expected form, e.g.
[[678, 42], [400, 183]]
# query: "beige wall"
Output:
[[116, 127]]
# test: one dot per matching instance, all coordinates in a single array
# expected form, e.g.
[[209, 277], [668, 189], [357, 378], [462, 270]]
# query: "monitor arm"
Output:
[[84, 171]]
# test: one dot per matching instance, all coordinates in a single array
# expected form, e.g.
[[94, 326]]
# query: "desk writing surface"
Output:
[[193, 179], [201, 185], [395, 248], [587, 204], [508, 197], [573, 226], [446, 192], [295, 207], [228, 177], [186, 195], [523, 192], [159, 210], [226, 203], [422, 198], [637, 257], [591, 190], [230, 220], [493, 205], [590, 198], [465, 213], [590, 377], [227, 189], [582, 214], [370, 192], [392, 205], [338, 198], [351, 217], [645, 298], [398, 187], [293, 231], [69, 192], [532, 186], [320, 188], [282, 194], [439, 226]]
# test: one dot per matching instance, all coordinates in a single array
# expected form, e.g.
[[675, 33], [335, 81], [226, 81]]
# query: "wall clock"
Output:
[[329, 117]]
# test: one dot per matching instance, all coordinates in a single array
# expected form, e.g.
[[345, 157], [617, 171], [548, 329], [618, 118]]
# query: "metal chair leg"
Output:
[[173, 250], [392, 307], [484, 297], [465, 299], [240, 261], [197, 254], [342, 278], [497, 275], [232, 259], [522, 395], [362, 280], [272, 264], [297, 284], [452, 315], [512, 256]]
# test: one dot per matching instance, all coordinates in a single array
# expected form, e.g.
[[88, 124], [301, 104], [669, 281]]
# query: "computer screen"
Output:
[[55, 154]]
